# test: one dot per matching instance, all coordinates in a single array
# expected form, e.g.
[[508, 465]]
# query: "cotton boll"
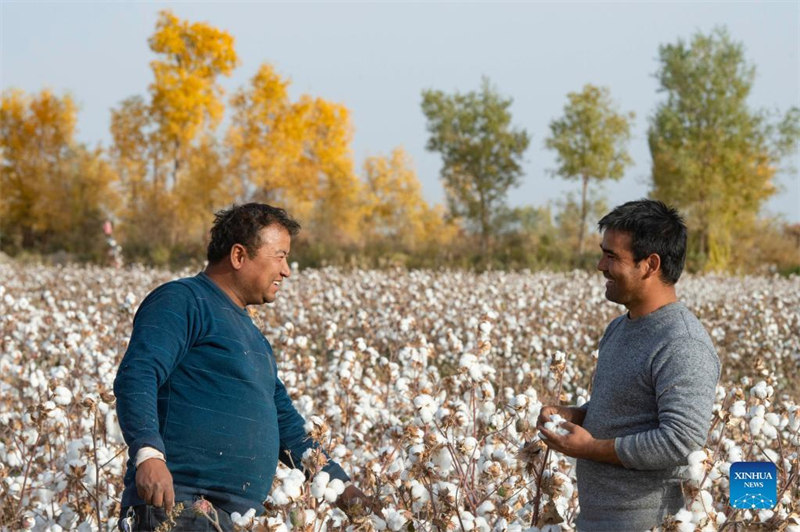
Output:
[[293, 484], [794, 420], [769, 431], [772, 455], [68, 518], [735, 454], [481, 525], [467, 445], [554, 425], [738, 409], [485, 508], [113, 432], [761, 390], [333, 490], [702, 502], [281, 472], [465, 520], [414, 452], [715, 472], [339, 452], [319, 483], [377, 523], [394, 519], [446, 492], [245, 520], [279, 497], [696, 457], [396, 466], [276, 524], [442, 461], [520, 402], [755, 425], [426, 407], [12, 458], [419, 496], [684, 518]]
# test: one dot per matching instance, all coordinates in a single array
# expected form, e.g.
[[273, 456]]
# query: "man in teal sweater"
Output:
[[654, 385], [199, 400]]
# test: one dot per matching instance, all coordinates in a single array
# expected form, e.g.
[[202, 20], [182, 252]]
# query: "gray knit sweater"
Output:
[[653, 391]]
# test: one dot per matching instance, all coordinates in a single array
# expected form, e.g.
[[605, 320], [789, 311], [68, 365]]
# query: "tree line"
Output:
[[170, 165]]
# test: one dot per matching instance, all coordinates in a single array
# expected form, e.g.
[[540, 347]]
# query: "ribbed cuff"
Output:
[[146, 453]]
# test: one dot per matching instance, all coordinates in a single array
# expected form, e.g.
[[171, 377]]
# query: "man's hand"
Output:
[[354, 503], [154, 484], [578, 443], [570, 413]]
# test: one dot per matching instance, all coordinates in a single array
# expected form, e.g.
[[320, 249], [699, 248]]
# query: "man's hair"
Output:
[[654, 228], [241, 224]]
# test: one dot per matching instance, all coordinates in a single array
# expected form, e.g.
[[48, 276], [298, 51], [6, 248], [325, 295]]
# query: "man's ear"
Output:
[[238, 255], [652, 265]]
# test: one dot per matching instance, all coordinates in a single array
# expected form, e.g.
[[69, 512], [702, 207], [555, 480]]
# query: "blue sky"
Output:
[[377, 57]]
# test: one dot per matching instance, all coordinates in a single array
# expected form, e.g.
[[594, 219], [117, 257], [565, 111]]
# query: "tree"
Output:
[[481, 152], [589, 141], [185, 95], [713, 156], [296, 154], [55, 192], [395, 212], [163, 149], [528, 239], [569, 217]]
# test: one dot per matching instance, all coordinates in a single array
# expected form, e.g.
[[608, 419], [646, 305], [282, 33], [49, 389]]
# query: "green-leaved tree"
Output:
[[713, 156], [590, 143], [481, 151]]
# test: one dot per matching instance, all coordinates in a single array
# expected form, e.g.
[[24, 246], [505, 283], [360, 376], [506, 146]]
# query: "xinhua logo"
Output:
[[753, 485]]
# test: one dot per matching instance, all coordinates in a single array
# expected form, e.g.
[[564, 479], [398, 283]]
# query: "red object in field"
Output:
[[108, 228]]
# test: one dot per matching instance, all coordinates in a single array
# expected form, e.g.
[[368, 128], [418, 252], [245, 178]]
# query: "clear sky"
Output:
[[377, 57]]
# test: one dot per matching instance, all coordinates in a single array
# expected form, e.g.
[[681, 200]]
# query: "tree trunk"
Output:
[[486, 251]]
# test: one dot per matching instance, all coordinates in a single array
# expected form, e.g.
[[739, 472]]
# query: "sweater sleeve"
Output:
[[293, 437], [685, 374], [164, 329]]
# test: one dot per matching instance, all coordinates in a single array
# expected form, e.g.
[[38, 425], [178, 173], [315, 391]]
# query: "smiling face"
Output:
[[625, 278], [260, 275]]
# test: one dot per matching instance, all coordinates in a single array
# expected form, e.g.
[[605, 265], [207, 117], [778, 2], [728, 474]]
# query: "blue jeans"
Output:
[[146, 518]]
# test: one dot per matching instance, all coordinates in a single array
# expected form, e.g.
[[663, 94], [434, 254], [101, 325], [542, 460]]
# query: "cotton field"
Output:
[[424, 385]]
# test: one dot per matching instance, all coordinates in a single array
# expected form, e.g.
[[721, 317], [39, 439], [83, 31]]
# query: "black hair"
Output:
[[241, 224], [655, 227]]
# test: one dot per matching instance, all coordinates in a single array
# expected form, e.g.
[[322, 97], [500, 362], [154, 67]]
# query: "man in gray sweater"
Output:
[[655, 382]]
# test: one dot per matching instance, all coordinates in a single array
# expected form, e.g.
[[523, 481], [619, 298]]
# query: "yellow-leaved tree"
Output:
[[296, 155], [396, 218], [55, 192], [163, 147]]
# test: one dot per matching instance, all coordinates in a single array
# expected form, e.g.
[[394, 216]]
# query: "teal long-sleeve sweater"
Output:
[[199, 383]]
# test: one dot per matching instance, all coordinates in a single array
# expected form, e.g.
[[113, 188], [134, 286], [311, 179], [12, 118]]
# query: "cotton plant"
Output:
[[355, 349]]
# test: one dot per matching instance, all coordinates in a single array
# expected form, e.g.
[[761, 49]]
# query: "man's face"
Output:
[[261, 275], [624, 277]]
